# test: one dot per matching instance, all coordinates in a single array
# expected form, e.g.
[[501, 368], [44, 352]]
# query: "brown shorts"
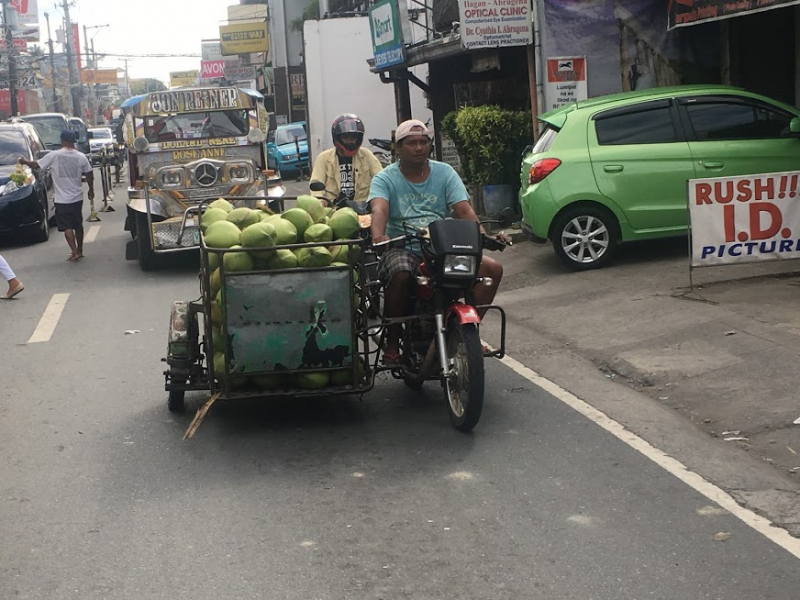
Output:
[[396, 260], [69, 216]]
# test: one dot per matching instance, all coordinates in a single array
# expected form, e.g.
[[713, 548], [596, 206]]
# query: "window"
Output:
[[648, 126], [201, 125], [721, 120], [287, 135], [12, 145], [545, 141]]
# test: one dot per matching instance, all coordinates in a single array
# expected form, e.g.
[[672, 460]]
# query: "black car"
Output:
[[27, 207]]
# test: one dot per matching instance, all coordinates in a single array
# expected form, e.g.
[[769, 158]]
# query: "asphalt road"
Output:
[[341, 499]]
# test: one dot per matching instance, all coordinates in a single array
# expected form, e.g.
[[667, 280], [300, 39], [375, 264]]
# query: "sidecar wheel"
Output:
[[465, 389]]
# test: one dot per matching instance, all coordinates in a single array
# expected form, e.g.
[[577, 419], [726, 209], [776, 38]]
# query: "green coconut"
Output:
[[260, 235], [219, 364], [217, 317], [313, 206], [318, 233], [314, 257], [281, 259], [237, 261], [265, 216], [244, 217], [222, 234], [218, 340], [345, 376], [299, 218], [311, 381], [213, 260], [212, 215], [340, 253], [221, 203], [285, 231], [344, 223], [215, 281]]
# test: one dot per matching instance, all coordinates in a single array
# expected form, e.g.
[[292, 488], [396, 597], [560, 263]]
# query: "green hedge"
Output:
[[490, 141]]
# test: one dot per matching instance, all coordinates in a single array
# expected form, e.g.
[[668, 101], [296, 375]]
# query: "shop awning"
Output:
[[693, 12]]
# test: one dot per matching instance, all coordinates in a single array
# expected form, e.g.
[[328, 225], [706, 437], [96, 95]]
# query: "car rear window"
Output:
[[737, 121], [545, 140], [651, 126]]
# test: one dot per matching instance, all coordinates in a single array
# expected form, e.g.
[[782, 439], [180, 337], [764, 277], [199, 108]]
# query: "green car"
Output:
[[614, 169]]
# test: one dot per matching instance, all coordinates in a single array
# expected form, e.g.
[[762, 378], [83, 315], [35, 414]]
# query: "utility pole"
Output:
[[74, 86], [91, 85], [127, 80], [12, 59], [56, 99]]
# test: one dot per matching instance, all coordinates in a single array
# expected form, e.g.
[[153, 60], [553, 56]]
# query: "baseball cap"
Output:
[[405, 129], [68, 136]]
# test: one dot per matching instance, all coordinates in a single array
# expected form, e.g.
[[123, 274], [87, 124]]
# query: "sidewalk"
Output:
[[724, 356]]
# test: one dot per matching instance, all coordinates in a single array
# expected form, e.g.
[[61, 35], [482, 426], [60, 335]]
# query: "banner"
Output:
[[212, 69], [495, 23], [76, 43], [566, 81], [233, 73], [183, 78], [388, 29], [693, 12], [101, 76], [745, 219], [244, 38], [27, 11]]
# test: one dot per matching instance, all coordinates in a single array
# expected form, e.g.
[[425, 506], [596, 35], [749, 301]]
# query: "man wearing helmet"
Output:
[[346, 169]]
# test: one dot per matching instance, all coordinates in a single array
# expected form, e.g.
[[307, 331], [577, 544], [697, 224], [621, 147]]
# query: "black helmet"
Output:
[[347, 124]]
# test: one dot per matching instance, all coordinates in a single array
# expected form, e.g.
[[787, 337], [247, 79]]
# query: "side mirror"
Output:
[[794, 125], [316, 186]]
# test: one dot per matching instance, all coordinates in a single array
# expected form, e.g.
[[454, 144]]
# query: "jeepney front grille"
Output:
[[165, 235]]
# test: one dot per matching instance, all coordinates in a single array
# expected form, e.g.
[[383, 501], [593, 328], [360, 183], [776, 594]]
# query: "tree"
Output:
[[144, 86]]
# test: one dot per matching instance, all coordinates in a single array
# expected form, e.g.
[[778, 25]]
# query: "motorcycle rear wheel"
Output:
[[465, 389]]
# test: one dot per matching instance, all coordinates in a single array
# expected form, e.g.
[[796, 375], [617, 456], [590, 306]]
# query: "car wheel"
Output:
[[585, 237], [43, 231]]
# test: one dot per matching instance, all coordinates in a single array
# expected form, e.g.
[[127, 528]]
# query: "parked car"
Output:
[[102, 137], [49, 126], [615, 169], [79, 127], [282, 148], [26, 205]]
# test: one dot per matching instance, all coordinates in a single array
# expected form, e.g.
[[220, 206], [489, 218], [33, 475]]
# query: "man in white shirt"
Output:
[[68, 167]]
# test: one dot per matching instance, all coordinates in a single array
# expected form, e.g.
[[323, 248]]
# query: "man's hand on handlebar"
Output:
[[380, 238], [502, 237]]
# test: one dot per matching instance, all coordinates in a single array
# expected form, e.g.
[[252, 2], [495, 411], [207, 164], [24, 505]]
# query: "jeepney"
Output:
[[189, 145]]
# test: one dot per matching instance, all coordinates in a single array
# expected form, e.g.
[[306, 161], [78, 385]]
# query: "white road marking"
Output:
[[764, 526], [91, 235], [47, 324]]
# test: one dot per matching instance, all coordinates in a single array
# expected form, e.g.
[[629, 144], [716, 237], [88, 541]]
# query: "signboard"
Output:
[[27, 11], [183, 78], [212, 69], [691, 12], [193, 101], [211, 51], [29, 33], [24, 82], [243, 38], [101, 76], [239, 73], [495, 23], [745, 219], [297, 82], [566, 81], [388, 30], [450, 154], [20, 45]]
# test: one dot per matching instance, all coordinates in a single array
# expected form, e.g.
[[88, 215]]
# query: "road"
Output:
[[380, 499]]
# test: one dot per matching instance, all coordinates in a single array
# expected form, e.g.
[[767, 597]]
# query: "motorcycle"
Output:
[[441, 339], [384, 152]]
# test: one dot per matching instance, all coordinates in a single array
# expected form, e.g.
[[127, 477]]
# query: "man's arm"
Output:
[[29, 163], [379, 207], [90, 183], [320, 174], [464, 211]]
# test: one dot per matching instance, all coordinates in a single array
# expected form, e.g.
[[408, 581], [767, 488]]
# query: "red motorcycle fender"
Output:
[[464, 313]]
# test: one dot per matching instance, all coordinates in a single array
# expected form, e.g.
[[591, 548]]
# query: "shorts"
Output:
[[69, 216], [396, 260]]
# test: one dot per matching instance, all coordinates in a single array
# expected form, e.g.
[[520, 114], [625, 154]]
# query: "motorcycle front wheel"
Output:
[[464, 389]]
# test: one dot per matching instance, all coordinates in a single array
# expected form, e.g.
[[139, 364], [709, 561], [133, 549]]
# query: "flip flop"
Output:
[[73, 259], [12, 293], [392, 359]]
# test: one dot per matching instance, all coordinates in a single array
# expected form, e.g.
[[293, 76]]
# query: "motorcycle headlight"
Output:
[[239, 173], [457, 265], [171, 178]]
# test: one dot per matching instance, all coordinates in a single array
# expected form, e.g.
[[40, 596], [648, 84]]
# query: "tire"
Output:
[[148, 260], [175, 401], [464, 392], [585, 237], [42, 234]]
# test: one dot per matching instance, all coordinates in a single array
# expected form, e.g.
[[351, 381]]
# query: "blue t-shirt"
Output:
[[418, 204]]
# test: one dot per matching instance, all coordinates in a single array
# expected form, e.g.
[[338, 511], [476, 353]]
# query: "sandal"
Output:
[[12, 293], [392, 359]]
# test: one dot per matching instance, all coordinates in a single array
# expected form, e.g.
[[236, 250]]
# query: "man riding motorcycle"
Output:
[[417, 191], [347, 169]]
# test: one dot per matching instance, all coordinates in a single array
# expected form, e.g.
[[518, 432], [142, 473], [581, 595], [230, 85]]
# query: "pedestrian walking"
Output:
[[68, 167], [14, 285]]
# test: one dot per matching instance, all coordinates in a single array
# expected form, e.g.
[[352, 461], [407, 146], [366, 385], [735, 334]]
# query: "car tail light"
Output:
[[542, 168]]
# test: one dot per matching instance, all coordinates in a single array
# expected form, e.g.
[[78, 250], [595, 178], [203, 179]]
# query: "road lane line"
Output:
[[47, 324], [764, 526], [91, 235]]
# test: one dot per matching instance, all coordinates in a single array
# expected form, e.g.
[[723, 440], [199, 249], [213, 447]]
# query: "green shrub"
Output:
[[490, 141]]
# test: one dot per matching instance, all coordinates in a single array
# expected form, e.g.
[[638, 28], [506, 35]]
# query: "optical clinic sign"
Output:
[[745, 219], [389, 28], [495, 23]]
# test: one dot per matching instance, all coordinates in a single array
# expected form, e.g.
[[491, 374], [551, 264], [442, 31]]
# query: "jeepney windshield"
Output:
[[196, 126]]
